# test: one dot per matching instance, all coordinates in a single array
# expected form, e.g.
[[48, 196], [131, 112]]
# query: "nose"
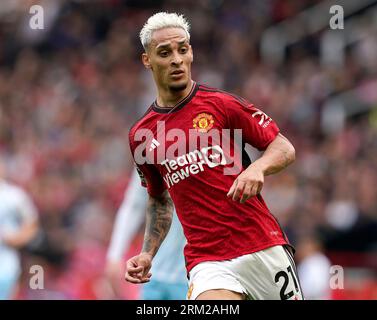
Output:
[[177, 60]]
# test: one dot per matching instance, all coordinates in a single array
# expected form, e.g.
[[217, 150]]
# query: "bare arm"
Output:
[[279, 154], [23, 236], [159, 218], [158, 221]]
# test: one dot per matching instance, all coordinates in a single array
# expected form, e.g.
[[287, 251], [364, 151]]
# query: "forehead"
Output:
[[168, 36]]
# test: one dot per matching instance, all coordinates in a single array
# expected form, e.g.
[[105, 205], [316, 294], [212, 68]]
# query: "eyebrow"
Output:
[[164, 46]]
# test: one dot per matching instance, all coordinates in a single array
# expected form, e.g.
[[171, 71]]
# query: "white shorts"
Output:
[[269, 274]]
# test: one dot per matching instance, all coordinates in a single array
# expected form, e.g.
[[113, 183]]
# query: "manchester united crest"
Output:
[[203, 122]]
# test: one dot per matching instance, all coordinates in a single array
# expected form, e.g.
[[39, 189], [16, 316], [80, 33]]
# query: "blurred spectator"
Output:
[[313, 269], [18, 227]]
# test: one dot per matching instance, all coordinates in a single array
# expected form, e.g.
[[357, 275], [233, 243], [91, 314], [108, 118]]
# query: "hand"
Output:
[[137, 268], [248, 184]]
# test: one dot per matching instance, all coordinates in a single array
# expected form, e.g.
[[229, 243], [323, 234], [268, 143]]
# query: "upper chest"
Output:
[[198, 116]]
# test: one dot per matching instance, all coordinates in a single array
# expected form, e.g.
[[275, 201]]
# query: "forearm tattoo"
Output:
[[158, 221]]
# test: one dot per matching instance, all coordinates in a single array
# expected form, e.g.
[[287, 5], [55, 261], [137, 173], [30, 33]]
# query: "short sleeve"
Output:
[[258, 129], [151, 179]]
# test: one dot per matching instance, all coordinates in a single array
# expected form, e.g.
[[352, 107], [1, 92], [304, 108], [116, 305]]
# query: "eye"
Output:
[[163, 54], [183, 49]]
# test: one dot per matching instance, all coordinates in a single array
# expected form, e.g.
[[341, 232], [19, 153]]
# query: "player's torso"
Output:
[[190, 146], [198, 157]]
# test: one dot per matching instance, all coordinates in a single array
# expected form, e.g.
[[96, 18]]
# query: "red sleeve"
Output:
[[151, 179], [149, 175], [258, 129]]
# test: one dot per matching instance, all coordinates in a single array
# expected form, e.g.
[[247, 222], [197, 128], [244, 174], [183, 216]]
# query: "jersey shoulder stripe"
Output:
[[241, 100]]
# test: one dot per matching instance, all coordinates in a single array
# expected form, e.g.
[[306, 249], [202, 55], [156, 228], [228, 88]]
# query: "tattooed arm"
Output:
[[159, 217], [279, 154], [158, 221]]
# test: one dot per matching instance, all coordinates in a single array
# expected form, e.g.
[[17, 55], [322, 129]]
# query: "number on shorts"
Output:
[[282, 274]]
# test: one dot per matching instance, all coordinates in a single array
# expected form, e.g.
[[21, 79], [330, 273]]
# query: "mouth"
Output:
[[177, 72]]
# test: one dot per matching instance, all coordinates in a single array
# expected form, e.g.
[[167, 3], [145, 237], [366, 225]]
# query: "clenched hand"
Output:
[[137, 268]]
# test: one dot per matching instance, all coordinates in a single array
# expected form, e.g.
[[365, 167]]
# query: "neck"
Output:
[[168, 98]]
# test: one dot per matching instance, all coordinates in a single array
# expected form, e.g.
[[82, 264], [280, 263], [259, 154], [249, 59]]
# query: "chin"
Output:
[[179, 86]]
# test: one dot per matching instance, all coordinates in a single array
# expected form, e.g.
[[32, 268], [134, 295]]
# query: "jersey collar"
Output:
[[179, 105]]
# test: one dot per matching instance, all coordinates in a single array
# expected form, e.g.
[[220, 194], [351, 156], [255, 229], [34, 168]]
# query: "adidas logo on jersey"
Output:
[[154, 145]]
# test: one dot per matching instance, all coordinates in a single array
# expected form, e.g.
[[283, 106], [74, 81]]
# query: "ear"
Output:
[[146, 61]]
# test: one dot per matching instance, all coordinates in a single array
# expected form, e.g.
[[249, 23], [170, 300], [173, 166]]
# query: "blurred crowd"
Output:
[[69, 97]]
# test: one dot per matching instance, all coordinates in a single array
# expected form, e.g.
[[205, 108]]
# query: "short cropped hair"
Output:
[[162, 20]]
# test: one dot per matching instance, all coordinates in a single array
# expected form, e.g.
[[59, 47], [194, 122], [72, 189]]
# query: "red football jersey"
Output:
[[169, 152]]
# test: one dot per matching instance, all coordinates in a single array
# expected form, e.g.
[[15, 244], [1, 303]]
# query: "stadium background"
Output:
[[69, 94]]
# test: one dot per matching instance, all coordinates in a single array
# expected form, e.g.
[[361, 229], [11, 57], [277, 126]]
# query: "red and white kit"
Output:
[[216, 227]]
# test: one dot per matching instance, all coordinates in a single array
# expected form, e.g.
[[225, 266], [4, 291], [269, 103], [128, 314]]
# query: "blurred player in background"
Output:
[[313, 268], [18, 226], [235, 246], [169, 280]]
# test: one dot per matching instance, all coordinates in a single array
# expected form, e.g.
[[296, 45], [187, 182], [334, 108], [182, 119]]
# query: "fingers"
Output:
[[137, 273], [133, 279], [241, 191], [236, 189], [246, 194], [137, 277], [232, 188], [135, 269], [257, 187], [147, 278]]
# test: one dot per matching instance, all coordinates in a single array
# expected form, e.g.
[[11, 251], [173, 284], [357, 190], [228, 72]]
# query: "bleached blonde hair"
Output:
[[162, 20]]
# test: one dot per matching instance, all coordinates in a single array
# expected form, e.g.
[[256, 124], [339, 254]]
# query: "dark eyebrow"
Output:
[[166, 46], [182, 42]]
